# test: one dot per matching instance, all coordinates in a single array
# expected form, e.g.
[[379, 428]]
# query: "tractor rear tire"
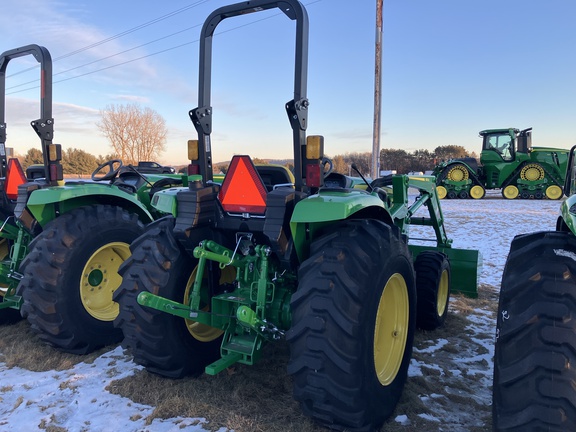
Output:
[[432, 289], [161, 342], [535, 352], [353, 321], [71, 273]]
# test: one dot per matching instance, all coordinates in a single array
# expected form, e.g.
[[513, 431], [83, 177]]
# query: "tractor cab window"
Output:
[[502, 144]]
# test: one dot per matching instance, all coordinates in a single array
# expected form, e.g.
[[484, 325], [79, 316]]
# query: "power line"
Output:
[[142, 57], [105, 58], [119, 35]]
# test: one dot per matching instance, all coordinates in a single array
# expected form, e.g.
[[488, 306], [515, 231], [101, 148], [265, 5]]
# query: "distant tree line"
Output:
[[74, 161], [390, 159], [399, 160]]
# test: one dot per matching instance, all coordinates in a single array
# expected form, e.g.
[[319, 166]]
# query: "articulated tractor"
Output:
[[262, 258], [507, 162]]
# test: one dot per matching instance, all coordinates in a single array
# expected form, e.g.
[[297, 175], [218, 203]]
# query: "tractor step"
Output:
[[243, 348]]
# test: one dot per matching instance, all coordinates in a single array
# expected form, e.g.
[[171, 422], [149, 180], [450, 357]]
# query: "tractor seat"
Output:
[[275, 176], [129, 181]]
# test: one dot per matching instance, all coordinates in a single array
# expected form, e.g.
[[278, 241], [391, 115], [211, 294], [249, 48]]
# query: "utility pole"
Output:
[[375, 168]]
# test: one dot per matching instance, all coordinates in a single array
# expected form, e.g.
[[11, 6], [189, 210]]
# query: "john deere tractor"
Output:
[[507, 162], [326, 267], [62, 242], [535, 353]]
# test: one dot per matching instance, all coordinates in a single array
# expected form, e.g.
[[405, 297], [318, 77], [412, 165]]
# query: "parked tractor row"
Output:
[[196, 273], [507, 162]]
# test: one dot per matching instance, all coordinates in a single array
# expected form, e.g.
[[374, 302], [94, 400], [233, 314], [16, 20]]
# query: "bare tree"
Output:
[[135, 133]]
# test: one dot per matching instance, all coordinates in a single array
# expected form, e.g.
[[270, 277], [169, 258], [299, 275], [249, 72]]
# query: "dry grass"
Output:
[[246, 398], [21, 347]]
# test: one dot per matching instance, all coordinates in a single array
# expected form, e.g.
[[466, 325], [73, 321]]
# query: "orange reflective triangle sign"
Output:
[[242, 189], [14, 177]]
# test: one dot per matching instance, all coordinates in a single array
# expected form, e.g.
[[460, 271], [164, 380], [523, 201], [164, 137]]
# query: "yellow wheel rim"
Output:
[[554, 192], [100, 279], [510, 192], [4, 252], [391, 329], [457, 173], [477, 192], [200, 331], [443, 292], [532, 172], [441, 191]]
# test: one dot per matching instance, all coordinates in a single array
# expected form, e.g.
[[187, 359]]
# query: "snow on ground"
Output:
[[490, 224], [77, 399]]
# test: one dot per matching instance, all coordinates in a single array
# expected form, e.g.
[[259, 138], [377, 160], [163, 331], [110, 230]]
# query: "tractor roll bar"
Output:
[[296, 108], [44, 126]]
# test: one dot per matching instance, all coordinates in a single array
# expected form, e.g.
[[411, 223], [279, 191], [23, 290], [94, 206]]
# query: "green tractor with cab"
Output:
[[315, 262], [507, 162], [61, 242], [535, 350]]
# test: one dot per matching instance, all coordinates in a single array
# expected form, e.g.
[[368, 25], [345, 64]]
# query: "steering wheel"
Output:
[[325, 161], [112, 172]]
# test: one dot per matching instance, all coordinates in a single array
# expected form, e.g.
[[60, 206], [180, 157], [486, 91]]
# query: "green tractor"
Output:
[[508, 162], [535, 351], [317, 263], [61, 243]]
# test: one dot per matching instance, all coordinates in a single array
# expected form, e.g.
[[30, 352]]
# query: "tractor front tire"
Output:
[[165, 344], [432, 289], [70, 275], [353, 321], [535, 351]]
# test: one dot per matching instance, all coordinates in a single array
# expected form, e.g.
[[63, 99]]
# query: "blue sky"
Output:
[[450, 69]]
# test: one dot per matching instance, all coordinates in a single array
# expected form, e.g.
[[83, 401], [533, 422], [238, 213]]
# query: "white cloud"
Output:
[[63, 30]]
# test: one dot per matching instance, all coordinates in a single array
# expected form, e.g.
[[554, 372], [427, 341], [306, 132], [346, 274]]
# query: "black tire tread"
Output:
[[429, 266], [334, 379], [45, 289], [159, 341], [536, 336]]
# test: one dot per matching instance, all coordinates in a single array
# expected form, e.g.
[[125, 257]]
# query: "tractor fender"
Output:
[[312, 216], [44, 204]]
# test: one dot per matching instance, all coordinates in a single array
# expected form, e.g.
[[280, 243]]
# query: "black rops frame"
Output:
[[44, 126], [296, 108]]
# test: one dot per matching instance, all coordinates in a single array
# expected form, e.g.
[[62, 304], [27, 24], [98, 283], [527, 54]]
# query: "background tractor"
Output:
[[325, 267], [508, 162], [535, 351], [62, 242]]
